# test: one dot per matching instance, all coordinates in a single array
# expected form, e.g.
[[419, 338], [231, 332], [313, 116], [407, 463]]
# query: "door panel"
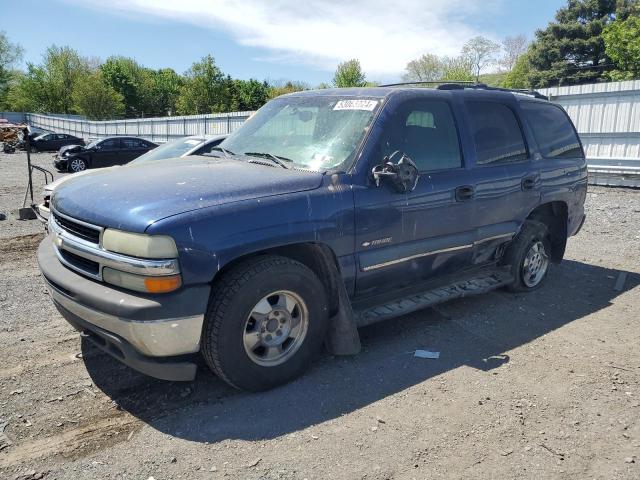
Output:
[[406, 238]]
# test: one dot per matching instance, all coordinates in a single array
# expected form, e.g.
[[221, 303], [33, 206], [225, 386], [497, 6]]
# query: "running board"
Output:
[[480, 283]]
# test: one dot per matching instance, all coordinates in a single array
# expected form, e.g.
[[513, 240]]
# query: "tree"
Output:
[[457, 68], [96, 99], [519, 75], [571, 49], [514, 48], [349, 74], [48, 87], [203, 89], [165, 90], [427, 68], [481, 53], [622, 46], [133, 82], [283, 87], [10, 53]]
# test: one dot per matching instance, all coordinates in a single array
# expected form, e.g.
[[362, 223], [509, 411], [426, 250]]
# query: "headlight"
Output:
[[141, 283], [139, 245]]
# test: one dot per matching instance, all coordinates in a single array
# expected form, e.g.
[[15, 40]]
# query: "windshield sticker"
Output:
[[192, 142], [357, 104]]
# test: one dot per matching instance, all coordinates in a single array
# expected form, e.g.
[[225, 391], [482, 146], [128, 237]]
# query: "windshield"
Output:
[[93, 144], [173, 149], [314, 132]]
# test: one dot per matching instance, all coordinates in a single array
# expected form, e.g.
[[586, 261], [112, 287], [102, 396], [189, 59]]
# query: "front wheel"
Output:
[[77, 165], [266, 321], [529, 257]]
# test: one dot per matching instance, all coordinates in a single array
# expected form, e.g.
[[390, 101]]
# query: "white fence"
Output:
[[159, 129], [607, 116]]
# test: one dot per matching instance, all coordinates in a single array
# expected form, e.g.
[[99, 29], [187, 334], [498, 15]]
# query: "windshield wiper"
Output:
[[227, 153], [277, 159]]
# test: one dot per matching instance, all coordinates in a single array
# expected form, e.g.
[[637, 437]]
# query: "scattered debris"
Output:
[[630, 460], [622, 277], [17, 392], [426, 354], [506, 453], [254, 463]]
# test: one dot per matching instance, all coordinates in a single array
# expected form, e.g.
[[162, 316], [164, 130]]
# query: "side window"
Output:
[[496, 133], [552, 129], [426, 131], [110, 144]]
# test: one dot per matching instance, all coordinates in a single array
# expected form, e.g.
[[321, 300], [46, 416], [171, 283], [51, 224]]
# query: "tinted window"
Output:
[[425, 130], [134, 143], [496, 133], [110, 143], [552, 130], [208, 147]]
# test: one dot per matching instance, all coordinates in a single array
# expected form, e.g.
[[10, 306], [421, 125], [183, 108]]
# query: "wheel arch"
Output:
[[554, 215], [318, 257]]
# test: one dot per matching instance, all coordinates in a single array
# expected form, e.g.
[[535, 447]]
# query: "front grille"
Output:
[[86, 233], [81, 263]]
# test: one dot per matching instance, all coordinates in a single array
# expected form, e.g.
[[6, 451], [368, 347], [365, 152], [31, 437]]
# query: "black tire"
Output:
[[532, 232], [70, 166], [233, 299]]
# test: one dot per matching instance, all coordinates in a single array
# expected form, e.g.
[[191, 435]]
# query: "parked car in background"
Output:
[[53, 142], [104, 152], [183, 147]]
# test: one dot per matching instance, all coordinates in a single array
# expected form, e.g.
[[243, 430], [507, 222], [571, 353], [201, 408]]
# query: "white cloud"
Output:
[[383, 35]]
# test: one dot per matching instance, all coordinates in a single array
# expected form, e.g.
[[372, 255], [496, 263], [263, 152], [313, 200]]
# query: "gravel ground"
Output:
[[542, 385]]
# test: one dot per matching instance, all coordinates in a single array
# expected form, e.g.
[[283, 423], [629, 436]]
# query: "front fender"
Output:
[[210, 238]]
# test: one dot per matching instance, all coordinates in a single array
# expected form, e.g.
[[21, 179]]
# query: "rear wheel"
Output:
[[77, 165], [529, 256], [266, 321]]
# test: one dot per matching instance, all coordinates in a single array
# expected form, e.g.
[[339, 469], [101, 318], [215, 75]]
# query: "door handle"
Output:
[[465, 192], [529, 183]]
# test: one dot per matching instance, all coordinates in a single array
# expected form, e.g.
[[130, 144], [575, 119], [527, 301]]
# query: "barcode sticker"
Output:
[[356, 104]]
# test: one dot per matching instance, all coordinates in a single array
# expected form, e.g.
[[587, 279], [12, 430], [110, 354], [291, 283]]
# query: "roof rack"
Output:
[[482, 86], [461, 85], [430, 82]]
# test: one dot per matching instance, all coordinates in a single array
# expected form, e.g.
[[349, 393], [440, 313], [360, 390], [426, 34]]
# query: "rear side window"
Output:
[[552, 129], [110, 143], [496, 133]]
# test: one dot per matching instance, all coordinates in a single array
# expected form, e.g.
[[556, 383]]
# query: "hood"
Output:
[[70, 149], [51, 186], [135, 196]]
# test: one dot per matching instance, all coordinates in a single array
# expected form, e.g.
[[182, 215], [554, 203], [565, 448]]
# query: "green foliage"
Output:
[[519, 75], [203, 90], [279, 88], [349, 74], [96, 99], [622, 46], [494, 79], [49, 87], [571, 49], [10, 53], [433, 68]]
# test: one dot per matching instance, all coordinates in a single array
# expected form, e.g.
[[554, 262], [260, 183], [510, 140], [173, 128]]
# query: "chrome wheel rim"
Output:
[[535, 264], [77, 165], [276, 328]]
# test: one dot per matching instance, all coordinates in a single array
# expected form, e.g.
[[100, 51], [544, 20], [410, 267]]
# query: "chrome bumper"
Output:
[[159, 338]]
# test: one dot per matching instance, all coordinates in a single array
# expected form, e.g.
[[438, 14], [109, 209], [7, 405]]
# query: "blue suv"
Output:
[[325, 211]]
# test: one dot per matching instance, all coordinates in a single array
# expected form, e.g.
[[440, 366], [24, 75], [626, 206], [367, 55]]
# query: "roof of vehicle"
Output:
[[384, 91]]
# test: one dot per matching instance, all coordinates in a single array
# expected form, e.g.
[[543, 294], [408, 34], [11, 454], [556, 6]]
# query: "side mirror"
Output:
[[403, 175]]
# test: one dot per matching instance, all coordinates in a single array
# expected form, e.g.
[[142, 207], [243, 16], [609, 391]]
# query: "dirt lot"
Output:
[[544, 385]]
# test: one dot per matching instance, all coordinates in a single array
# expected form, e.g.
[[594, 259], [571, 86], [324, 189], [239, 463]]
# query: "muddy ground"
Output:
[[543, 385]]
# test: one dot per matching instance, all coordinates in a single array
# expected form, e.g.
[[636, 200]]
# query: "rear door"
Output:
[[407, 238], [506, 180]]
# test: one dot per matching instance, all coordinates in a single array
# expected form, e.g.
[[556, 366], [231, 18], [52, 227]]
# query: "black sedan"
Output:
[[53, 142], [105, 152]]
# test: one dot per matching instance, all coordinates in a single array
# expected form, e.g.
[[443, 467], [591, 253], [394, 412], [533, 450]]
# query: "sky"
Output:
[[272, 40]]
